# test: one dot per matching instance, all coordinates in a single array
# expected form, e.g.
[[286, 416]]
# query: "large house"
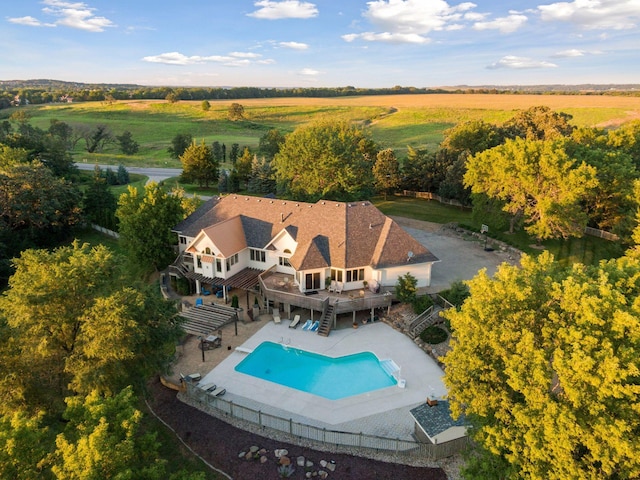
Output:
[[340, 247]]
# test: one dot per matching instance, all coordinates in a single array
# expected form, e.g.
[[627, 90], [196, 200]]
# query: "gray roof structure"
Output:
[[436, 419], [328, 233]]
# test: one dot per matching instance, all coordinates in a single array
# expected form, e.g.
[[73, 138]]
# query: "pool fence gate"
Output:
[[370, 446]]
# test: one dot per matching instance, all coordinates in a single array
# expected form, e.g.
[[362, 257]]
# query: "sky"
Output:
[[321, 43]]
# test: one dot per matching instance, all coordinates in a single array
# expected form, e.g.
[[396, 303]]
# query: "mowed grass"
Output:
[[394, 121]]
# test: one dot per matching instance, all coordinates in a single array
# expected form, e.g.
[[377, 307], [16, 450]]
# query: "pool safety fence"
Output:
[[367, 445]]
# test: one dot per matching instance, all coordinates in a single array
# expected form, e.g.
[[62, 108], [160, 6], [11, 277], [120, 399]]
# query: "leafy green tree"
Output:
[[236, 112], [146, 219], [386, 171], [544, 363], [244, 165], [627, 138], [270, 143], [24, 445], [122, 174], [216, 150], [99, 204], [172, 97], [105, 438], [199, 164], [471, 137], [127, 144], [97, 137], [331, 160], [205, 105], [407, 288], [179, 144], [538, 123], [62, 131], [10, 157], [234, 153], [538, 181]]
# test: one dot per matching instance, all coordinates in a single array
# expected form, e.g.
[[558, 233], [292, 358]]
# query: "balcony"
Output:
[[279, 287]]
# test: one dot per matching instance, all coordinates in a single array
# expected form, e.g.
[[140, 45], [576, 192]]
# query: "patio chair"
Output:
[[339, 287], [295, 322], [204, 291], [332, 286], [276, 316], [199, 302]]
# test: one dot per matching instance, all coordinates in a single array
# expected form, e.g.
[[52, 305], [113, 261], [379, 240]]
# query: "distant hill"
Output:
[[50, 84]]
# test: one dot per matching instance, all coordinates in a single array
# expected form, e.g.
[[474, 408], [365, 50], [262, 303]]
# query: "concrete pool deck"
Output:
[[383, 412]]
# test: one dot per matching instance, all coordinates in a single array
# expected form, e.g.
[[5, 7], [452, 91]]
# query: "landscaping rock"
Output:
[[249, 456], [308, 464], [300, 461], [322, 474], [242, 454], [254, 449], [263, 459], [331, 466], [323, 463], [284, 460]]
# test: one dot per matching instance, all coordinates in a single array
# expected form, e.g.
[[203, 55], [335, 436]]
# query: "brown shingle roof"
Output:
[[329, 233]]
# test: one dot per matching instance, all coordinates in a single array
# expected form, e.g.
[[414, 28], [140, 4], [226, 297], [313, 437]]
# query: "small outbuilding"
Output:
[[434, 423]]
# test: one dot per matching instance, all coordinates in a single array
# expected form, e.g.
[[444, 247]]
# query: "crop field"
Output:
[[394, 121]]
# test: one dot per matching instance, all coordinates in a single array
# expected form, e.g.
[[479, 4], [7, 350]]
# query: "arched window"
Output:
[[286, 250], [207, 251]]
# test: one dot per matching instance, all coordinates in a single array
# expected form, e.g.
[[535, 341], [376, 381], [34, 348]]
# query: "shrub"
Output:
[[406, 288], [456, 294], [420, 304], [434, 335]]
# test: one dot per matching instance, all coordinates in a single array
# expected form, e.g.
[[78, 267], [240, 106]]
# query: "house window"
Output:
[[231, 261], [207, 251], [284, 262], [183, 240], [218, 265], [336, 275], [355, 275], [257, 255], [199, 260]]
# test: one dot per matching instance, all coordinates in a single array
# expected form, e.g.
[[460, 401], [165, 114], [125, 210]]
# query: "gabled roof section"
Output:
[[436, 419], [328, 233], [227, 236]]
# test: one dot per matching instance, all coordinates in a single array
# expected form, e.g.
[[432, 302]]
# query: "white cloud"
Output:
[[517, 63], [76, 15], [387, 37], [574, 52], [594, 14], [309, 72], [415, 16], [294, 45], [285, 9], [507, 24], [233, 59], [30, 22]]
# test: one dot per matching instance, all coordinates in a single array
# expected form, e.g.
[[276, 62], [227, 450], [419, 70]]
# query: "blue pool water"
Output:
[[332, 378]]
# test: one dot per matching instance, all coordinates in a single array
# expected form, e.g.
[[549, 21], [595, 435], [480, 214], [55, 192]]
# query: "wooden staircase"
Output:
[[326, 322]]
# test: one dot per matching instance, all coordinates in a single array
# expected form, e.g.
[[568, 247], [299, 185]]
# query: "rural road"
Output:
[[154, 174]]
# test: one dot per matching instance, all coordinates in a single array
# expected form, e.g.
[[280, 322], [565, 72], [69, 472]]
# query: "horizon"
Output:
[[323, 44]]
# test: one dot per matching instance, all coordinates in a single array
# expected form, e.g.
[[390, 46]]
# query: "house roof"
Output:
[[339, 234], [434, 420]]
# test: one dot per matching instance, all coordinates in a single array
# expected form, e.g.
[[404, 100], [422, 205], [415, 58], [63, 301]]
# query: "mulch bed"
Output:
[[220, 444]]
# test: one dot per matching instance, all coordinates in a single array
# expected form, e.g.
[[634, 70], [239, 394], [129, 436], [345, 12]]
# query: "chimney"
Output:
[[282, 218], [432, 401]]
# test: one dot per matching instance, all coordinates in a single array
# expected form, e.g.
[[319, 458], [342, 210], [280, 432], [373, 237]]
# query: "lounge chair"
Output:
[[307, 324], [204, 291], [218, 393], [209, 387], [339, 287], [332, 286], [199, 302], [295, 322], [276, 316], [315, 326]]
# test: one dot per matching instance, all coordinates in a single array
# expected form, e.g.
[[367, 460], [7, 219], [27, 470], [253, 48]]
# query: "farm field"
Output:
[[394, 121]]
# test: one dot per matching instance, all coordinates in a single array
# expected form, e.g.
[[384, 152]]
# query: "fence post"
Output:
[[360, 439], [231, 408], [290, 426], [259, 418]]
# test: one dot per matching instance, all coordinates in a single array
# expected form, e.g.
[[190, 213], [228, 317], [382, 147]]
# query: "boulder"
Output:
[[322, 474], [300, 461], [331, 466], [263, 459], [242, 454], [254, 449], [284, 460], [323, 463], [249, 456]]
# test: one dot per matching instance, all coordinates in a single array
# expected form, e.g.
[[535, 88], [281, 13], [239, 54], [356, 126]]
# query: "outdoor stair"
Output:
[[326, 322], [389, 366], [425, 319], [205, 319]]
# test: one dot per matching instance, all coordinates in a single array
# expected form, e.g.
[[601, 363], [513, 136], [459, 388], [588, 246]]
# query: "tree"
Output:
[[128, 145], [326, 160], [244, 165], [544, 363], [407, 288], [216, 151], [179, 144], [62, 131], [206, 106], [386, 171], [236, 112], [261, 179], [471, 137], [234, 153], [105, 438], [538, 181], [538, 123], [78, 324], [198, 164], [95, 138], [99, 204], [122, 175], [146, 219], [270, 143], [24, 444], [172, 97]]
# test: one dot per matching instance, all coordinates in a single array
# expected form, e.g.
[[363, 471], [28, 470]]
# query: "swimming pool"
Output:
[[332, 378]]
